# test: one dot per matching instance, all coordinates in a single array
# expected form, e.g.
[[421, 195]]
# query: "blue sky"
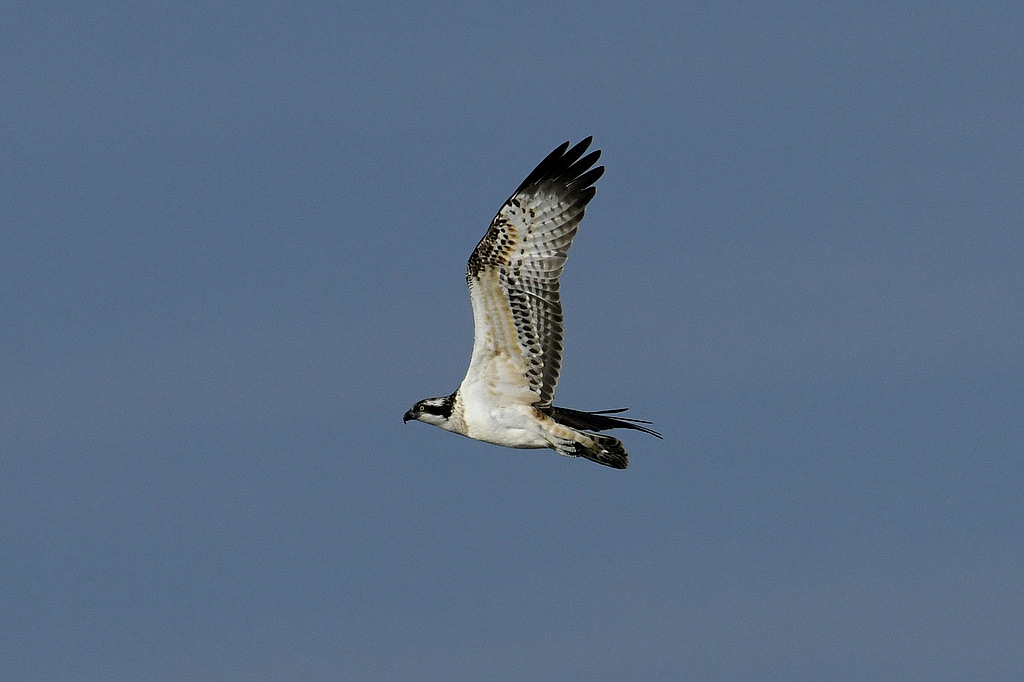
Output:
[[233, 243]]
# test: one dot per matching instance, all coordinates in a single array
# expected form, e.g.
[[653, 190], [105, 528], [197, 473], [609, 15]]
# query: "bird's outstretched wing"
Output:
[[513, 277]]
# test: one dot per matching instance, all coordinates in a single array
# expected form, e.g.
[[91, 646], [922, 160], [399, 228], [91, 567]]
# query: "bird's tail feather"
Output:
[[609, 452], [601, 449]]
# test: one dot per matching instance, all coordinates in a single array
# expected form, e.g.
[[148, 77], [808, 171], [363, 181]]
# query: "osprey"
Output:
[[513, 274]]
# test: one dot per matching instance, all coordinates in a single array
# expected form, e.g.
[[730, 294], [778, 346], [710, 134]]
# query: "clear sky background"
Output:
[[232, 252]]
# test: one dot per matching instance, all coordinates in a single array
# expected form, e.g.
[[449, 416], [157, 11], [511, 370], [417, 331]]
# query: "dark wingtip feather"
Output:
[[599, 420], [566, 166]]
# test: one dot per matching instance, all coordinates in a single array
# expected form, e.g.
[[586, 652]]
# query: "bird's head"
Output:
[[434, 411]]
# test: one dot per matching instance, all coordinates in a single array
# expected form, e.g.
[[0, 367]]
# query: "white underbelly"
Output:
[[514, 426], [498, 404], [496, 415]]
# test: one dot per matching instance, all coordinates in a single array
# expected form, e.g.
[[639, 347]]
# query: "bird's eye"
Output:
[[423, 408]]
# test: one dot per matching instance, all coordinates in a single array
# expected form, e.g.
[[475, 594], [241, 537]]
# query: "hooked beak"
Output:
[[410, 415]]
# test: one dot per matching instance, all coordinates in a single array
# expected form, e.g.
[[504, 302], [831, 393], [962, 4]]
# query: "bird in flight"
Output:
[[506, 396]]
